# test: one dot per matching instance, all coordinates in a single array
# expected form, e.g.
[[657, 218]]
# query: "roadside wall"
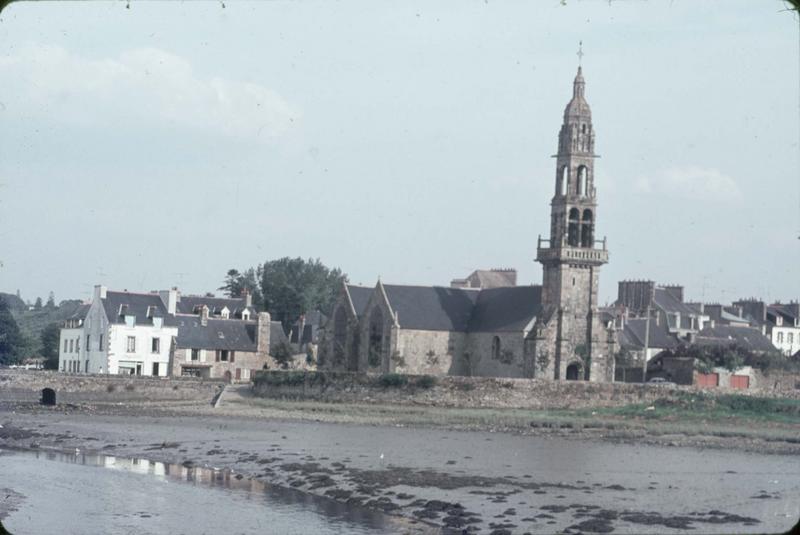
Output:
[[26, 385], [485, 392]]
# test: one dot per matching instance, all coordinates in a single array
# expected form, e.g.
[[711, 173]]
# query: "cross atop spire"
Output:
[[580, 52]]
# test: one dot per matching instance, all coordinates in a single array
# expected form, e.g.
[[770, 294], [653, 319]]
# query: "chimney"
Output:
[[248, 297], [170, 299], [99, 292], [204, 316], [262, 333]]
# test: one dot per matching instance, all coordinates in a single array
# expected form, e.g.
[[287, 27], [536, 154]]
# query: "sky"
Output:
[[163, 143]]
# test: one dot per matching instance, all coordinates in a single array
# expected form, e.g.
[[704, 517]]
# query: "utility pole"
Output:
[[647, 333]]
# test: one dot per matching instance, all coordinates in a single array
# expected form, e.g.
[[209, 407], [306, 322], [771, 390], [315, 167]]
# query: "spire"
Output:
[[578, 85]]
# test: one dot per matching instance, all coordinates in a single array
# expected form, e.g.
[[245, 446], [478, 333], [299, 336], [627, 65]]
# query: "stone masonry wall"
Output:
[[482, 392], [26, 385]]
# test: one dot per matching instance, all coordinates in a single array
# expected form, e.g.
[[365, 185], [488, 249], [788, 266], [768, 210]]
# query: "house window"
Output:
[[155, 369], [496, 348], [131, 344], [780, 338], [86, 369], [88, 347], [100, 343], [65, 346], [790, 338], [155, 346], [78, 345], [222, 355], [195, 354], [71, 345]]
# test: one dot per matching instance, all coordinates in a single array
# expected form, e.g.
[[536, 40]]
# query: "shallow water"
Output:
[[86, 494]]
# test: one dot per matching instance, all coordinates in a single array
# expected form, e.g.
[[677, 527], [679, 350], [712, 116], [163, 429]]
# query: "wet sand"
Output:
[[478, 481]]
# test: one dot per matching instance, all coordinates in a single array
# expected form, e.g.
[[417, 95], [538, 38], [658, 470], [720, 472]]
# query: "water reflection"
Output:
[[225, 479]]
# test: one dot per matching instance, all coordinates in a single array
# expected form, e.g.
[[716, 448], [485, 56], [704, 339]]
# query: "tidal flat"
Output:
[[438, 479]]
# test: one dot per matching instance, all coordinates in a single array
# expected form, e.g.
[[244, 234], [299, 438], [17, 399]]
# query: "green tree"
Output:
[[51, 301], [38, 304], [292, 286], [237, 283], [11, 342], [50, 338]]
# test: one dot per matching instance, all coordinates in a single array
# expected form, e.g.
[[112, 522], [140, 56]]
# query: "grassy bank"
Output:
[[681, 414]]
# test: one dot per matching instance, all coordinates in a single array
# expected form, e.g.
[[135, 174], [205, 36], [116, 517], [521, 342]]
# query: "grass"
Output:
[[690, 415]]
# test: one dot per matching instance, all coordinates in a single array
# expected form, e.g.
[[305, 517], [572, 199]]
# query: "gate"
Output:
[[708, 379], [741, 382]]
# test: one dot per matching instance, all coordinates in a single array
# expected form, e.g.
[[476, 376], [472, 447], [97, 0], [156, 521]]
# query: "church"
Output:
[[486, 325]]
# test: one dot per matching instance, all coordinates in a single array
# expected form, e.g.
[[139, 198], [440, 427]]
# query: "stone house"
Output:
[[233, 349], [780, 322]]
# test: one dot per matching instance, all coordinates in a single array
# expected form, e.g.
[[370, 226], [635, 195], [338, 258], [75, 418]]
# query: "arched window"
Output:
[[339, 334], [587, 229], [375, 355], [573, 230], [563, 183], [583, 180], [496, 348]]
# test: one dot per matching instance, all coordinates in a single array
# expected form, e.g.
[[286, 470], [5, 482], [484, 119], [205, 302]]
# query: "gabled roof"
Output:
[[359, 295], [431, 308], [746, 337], [510, 308], [233, 335], [493, 278], [133, 304], [633, 336], [276, 333], [80, 312], [669, 303], [190, 304]]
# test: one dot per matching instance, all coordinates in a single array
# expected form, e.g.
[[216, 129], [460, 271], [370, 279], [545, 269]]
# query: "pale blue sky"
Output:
[[163, 144]]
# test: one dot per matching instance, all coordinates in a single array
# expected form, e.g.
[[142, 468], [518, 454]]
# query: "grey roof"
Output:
[[494, 278], [632, 335], [360, 296], [504, 309], [669, 303], [276, 333], [80, 312], [747, 337], [431, 308], [233, 335], [135, 304], [189, 304]]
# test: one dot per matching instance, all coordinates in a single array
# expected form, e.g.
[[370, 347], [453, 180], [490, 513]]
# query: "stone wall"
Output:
[[473, 392], [26, 385], [427, 352], [509, 363]]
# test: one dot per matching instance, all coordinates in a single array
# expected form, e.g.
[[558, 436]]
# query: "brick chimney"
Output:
[[204, 315], [263, 324], [100, 292]]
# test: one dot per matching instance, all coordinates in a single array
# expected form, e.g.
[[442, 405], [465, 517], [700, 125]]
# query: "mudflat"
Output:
[[482, 479]]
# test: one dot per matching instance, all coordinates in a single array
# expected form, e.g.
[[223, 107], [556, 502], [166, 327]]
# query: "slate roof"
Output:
[[188, 304], [789, 318], [135, 304], [509, 308], [276, 333], [233, 335], [80, 312], [360, 296], [747, 337], [633, 334], [669, 303], [431, 308], [493, 278]]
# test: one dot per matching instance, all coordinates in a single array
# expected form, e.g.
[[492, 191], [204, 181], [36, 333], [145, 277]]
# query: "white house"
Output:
[[70, 355]]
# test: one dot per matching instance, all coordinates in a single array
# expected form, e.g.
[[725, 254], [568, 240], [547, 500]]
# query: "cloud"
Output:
[[141, 87], [691, 182]]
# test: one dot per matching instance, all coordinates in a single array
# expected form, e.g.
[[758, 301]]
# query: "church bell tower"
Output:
[[572, 256]]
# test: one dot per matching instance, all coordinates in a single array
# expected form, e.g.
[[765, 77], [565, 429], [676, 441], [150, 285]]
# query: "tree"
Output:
[[51, 301], [292, 286], [50, 338], [38, 304], [237, 283], [11, 342]]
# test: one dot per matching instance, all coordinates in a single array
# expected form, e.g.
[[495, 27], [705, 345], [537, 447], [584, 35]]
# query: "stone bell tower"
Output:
[[571, 257]]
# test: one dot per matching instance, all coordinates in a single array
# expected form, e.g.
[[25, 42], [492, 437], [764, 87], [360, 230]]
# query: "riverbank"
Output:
[[544, 478]]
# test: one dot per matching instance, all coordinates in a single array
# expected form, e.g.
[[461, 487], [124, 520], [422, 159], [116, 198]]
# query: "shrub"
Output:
[[282, 353], [110, 388], [389, 380], [425, 381]]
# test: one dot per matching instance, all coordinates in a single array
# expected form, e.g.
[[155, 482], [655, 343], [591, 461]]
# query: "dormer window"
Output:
[[246, 315], [225, 313], [130, 320], [157, 322]]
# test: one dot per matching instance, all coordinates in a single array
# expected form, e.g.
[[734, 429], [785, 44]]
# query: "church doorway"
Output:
[[573, 372]]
